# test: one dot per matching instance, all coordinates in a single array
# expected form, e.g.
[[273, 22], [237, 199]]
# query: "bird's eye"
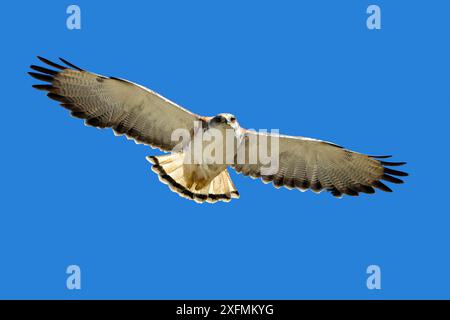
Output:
[[232, 119]]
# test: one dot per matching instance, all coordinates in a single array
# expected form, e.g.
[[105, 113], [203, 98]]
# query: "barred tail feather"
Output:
[[171, 172]]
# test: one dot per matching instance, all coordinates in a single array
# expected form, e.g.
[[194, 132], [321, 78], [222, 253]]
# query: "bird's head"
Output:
[[224, 120]]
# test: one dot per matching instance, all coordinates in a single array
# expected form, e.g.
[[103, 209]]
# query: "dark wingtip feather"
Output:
[[44, 70], [395, 172], [57, 97], [44, 87], [392, 164], [391, 179], [40, 76], [388, 174], [363, 188], [50, 63], [380, 185], [70, 64]]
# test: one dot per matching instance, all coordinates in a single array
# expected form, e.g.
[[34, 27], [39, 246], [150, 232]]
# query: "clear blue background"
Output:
[[77, 195]]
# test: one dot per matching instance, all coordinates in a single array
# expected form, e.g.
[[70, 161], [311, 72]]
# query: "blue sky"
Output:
[[78, 195]]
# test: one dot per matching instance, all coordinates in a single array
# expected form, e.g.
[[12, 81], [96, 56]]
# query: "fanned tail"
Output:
[[170, 171]]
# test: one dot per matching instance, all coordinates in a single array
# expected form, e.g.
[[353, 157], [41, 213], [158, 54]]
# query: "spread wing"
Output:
[[128, 108], [313, 164]]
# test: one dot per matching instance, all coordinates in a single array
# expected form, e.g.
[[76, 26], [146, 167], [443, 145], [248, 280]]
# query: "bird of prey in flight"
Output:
[[148, 118]]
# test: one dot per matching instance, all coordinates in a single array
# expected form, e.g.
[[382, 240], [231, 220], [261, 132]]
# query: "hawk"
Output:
[[148, 118]]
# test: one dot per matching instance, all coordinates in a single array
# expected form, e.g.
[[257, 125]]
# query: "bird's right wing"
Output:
[[126, 107], [305, 163]]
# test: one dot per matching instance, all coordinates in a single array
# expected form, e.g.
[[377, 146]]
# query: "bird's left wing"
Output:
[[128, 108], [305, 163]]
